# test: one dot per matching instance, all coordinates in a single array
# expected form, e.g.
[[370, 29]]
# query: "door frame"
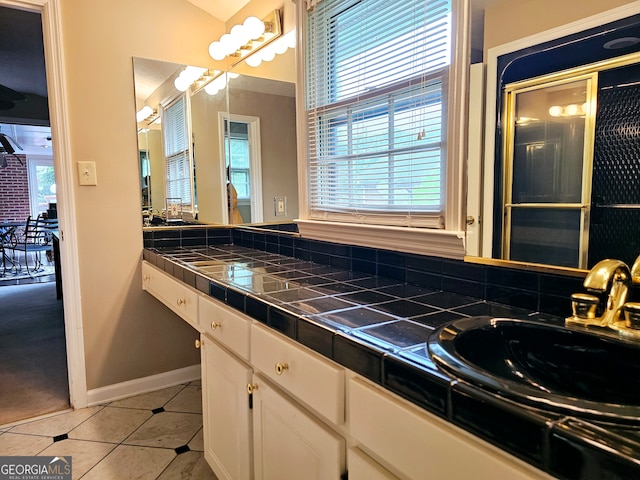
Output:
[[255, 160], [63, 162]]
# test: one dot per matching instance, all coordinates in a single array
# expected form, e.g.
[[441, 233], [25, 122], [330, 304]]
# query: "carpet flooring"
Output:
[[33, 359]]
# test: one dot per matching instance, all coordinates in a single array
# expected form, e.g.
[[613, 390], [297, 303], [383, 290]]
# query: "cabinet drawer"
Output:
[[227, 326], [180, 298], [411, 442], [303, 373]]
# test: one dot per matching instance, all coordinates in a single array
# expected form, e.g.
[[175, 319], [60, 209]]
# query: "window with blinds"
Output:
[[376, 105], [175, 127]]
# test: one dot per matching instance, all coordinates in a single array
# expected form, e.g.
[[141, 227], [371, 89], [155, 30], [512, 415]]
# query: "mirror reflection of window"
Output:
[[177, 152]]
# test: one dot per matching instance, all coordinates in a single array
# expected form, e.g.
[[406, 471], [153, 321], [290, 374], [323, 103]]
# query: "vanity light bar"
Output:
[[205, 79], [246, 39], [147, 114]]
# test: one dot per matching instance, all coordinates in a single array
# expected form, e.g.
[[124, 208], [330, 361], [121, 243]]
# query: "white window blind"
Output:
[[376, 104], [176, 151]]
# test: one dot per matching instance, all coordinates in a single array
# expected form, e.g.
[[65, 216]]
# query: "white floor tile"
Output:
[[57, 424], [167, 430], [188, 400], [149, 400], [111, 424], [188, 466], [128, 462], [13, 444], [124, 440], [197, 443], [84, 455]]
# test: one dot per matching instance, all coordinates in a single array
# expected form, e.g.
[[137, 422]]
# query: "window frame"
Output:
[[446, 242]]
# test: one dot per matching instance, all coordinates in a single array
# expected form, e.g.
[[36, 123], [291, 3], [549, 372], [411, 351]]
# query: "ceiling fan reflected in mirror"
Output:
[[7, 151], [8, 97]]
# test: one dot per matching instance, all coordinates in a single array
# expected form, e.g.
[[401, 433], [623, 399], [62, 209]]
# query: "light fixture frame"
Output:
[[272, 31]]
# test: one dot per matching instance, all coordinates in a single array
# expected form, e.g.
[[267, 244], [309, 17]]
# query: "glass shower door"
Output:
[[547, 163]]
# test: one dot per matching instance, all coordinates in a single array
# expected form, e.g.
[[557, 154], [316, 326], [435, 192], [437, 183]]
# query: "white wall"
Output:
[[127, 334]]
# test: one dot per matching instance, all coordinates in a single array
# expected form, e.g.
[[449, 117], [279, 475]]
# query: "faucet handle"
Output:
[[584, 305], [635, 272], [632, 315]]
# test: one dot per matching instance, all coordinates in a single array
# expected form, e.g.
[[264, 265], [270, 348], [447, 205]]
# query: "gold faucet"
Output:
[[607, 276], [613, 278]]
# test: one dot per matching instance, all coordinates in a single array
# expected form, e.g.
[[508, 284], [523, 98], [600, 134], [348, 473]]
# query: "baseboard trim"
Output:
[[118, 391]]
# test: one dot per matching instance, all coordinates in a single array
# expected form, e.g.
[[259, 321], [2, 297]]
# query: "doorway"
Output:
[[34, 357], [240, 138]]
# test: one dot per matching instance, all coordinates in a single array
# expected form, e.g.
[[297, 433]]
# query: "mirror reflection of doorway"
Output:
[[243, 170]]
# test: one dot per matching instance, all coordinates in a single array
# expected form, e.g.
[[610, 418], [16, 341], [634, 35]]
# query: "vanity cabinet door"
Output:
[[180, 298], [363, 467], [226, 412], [289, 443]]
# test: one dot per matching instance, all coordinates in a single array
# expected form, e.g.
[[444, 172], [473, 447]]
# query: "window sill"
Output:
[[421, 241]]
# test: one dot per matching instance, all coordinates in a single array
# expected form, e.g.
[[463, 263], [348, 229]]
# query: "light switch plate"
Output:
[[87, 173], [280, 206]]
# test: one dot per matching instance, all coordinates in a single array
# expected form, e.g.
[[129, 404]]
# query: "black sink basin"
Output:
[[549, 366]]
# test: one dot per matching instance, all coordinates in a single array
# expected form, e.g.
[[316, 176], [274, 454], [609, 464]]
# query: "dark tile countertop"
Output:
[[378, 328]]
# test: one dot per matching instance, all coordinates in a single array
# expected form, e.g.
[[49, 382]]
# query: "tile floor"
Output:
[[156, 435]]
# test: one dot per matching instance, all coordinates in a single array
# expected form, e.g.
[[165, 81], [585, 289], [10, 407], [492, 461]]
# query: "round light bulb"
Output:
[[182, 83], [194, 73], [290, 39], [555, 110], [572, 109], [220, 82], [280, 46], [144, 113], [254, 60], [254, 27], [240, 34], [228, 43], [211, 89], [267, 54], [216, 51]]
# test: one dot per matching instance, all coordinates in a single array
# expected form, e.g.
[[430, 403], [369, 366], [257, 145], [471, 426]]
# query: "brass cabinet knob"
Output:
[[181, 301], [251, 387], [281, 367], [215, 325], [146, 278], [197, 343]]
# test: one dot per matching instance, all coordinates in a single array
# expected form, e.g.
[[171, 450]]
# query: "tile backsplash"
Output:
[[547, 293]]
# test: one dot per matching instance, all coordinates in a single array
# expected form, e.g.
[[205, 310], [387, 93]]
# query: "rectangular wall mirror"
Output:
[[561, 165], [227, 150]]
